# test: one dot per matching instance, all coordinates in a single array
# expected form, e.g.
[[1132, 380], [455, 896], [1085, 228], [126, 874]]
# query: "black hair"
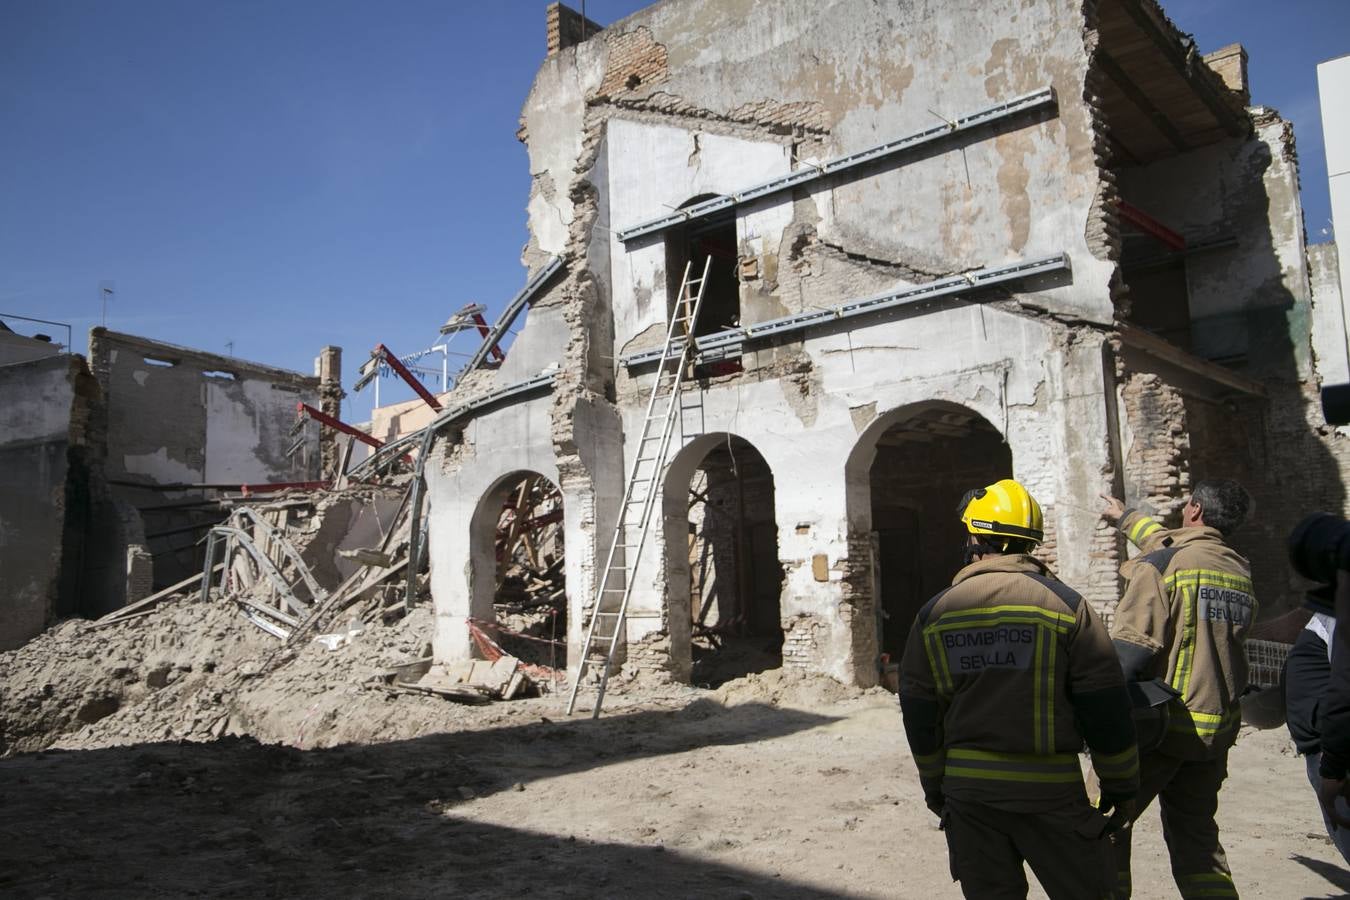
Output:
[[1224, 504]]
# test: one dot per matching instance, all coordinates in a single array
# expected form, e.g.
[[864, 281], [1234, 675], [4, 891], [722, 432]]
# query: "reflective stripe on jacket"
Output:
[[1004, 677], [1188, 606]]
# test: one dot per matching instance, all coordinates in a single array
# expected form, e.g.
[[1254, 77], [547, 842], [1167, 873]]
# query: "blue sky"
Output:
[[283, 175]]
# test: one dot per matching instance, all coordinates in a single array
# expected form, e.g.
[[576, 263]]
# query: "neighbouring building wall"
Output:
[[1333, 89], [36, 403], [1331, 339], [178, 418], [52, 564], [15, 348]]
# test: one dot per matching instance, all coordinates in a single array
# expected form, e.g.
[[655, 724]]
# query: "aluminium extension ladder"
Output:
[[643, 490]]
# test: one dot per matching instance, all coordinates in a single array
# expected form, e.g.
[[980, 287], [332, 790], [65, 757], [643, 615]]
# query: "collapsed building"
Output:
[[798, 277], [944, 243], [115, 464]]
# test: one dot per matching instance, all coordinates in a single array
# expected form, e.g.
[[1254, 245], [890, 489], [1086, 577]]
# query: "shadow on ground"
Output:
[[240, 819], [1334, 874]]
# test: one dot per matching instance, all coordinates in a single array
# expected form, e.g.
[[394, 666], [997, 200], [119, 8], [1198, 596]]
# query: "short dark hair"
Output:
[[1224, 504]]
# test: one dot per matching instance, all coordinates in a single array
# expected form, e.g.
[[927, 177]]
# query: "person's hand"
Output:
[[1114, 510], [934, 800], [1118, 809], [1327, 792]]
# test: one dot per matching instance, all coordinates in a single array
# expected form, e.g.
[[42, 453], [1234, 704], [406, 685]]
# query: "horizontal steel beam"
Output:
[[729, 342], [840, 164]]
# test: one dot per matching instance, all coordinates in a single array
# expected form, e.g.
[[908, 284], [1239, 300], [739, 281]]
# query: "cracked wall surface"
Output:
[[693, 98], [176, 417]]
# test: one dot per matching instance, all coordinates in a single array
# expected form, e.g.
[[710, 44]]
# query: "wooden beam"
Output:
[[1127, 87], [1182, 62], [143, 603], [1151, 345]]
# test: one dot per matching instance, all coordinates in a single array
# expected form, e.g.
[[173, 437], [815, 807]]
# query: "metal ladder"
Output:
[[643, 488]]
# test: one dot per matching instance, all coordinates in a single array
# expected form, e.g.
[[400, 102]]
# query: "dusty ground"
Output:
[[771, 786]]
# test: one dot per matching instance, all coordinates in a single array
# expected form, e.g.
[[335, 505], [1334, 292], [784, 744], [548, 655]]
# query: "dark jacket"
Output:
[[1307, 673]]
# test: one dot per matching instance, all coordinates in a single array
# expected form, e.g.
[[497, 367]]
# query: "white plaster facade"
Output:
[[713, 102]]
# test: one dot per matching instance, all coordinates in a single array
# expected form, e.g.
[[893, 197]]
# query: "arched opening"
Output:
[[518, 537], [710, 238], [729, 580], [926, 457]]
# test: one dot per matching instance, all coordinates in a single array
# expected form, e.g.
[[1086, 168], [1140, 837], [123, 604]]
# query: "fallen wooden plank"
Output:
[[154, 598], [136, 615], [459, 695]]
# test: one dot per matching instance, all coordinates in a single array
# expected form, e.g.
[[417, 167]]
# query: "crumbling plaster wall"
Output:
[[687, 98], [177, 415], [466, 479], [36, 402], [60, 555], [1036, 383]]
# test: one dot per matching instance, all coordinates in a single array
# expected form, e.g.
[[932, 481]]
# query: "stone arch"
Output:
[[520, 514], [905, 477], [723, 578]]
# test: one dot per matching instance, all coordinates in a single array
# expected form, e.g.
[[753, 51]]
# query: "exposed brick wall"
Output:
[[803, 637], [1276, 447], [566, 27], [1156, 459], [636, 61]]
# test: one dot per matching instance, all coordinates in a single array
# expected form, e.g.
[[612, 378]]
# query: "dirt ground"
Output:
[[774, 785]]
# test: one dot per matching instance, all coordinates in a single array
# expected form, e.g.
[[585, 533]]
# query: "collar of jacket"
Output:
[[1013, 562], [1194, 535]]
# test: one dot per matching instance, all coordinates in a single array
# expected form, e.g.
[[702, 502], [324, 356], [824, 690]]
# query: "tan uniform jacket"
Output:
[[1005, 674], [1184, 617]]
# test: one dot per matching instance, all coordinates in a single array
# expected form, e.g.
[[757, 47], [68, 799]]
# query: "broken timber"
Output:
[[1026, 103]]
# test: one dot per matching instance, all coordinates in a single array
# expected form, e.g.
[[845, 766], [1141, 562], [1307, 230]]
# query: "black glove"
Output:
[[1119, 810]]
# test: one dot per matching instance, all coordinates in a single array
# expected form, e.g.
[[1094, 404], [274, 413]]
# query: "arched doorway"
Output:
[[925, 457], [517, 536], [723, 566]]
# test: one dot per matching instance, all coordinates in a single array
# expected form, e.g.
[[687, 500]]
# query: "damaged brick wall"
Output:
[[1156, 461], [1289, 464], [635, 61]]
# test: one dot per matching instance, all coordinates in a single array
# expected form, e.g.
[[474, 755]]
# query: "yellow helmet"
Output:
[[1005, 509]]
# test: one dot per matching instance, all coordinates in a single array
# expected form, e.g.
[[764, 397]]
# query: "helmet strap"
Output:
[[978, 547]]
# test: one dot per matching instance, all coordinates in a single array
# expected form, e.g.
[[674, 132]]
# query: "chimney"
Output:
[[567, 27], [1230, 64]]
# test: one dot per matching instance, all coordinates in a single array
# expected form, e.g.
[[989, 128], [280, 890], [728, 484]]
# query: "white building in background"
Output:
[[1331, 338]]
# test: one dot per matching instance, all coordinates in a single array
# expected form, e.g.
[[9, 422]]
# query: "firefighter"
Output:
[[1185, 613], [1005, 675]]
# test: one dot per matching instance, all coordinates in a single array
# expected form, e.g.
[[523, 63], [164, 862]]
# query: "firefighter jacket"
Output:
[[1005, 675], [1184, 616]]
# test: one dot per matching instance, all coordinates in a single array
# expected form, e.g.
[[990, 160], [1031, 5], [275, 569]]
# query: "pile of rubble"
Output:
[[303, 633]]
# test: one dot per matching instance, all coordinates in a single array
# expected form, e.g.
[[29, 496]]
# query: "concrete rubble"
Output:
[[1116, 297], [945, 243]]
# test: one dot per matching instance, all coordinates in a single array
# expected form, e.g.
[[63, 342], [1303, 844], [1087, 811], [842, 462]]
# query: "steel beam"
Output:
[[729, 343], [840, 164], [508, 316]]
